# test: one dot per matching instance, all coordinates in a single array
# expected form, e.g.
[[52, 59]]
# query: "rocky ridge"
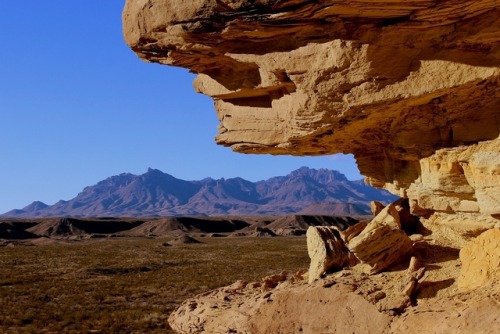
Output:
[[412, 90], [154, 193]]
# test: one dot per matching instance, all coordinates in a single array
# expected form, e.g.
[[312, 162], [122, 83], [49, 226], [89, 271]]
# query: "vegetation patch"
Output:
[[127, 285]]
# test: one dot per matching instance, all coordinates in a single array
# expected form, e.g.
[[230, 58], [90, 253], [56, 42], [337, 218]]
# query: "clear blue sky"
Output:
[[77, 106]]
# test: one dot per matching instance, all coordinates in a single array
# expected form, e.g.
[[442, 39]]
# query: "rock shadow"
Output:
[[432, 254], [429, 289]]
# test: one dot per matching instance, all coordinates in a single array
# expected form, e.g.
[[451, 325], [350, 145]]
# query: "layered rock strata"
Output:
[[480, 261], [410, 88]]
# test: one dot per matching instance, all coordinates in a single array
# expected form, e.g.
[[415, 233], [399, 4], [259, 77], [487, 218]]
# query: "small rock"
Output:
[[272, 281], [413, 278], [416, 237], [379, 295], [398, 215]]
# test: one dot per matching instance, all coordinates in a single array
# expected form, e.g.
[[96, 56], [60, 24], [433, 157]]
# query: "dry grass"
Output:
[[126, 285]]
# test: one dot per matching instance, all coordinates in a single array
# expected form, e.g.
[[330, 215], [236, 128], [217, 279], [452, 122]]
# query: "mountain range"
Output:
[[157, 194]]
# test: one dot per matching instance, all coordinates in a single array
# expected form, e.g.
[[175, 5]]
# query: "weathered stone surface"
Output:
[[414, 275], [466, 314], [481, 261], [352, 231], [411, 89], [390, 215], [326, 250], [382, 242], [462, 179], [292, 307], [272, 281], [398, 215], [380, 245], [345, 302]]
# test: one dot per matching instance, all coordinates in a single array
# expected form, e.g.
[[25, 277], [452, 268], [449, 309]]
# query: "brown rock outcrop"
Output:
[[345, 302], [382, 242], [411, 89], [379, 246], [481, 261], [289, 308], [326, 250], [466, 314]]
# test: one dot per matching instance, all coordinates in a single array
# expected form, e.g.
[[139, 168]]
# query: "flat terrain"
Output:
[[127, 285]]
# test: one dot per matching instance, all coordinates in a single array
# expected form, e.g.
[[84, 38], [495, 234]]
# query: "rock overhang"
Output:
[[400, 85]]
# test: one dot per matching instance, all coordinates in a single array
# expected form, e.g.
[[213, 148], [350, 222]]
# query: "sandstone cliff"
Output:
[[401, 85], [411, 88]]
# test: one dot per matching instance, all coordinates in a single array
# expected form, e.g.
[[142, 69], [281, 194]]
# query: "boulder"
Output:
[[398, 215], [480, 261], [327, 251], [382, 242], [379, 245]]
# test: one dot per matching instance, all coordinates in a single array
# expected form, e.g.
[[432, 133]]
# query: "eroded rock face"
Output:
[[291, 307], [481, 261], [461, 179], [411, 89]]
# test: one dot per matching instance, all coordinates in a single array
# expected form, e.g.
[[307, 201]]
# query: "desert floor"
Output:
[[127, 285]]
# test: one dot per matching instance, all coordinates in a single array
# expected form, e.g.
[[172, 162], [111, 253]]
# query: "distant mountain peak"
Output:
[[155, 193], [153, 171], [35, 206], [323, 175]]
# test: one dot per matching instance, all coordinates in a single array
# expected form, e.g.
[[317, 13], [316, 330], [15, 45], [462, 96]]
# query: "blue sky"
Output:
[[77, 106]]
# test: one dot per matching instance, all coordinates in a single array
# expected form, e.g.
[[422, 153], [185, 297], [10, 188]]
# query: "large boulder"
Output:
[[379, 246], [480, 261], [327, 251], [382, 242]]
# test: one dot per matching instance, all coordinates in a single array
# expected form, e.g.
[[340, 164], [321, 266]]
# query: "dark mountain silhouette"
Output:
[[73, 226], [334, 209], [156, 194]]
